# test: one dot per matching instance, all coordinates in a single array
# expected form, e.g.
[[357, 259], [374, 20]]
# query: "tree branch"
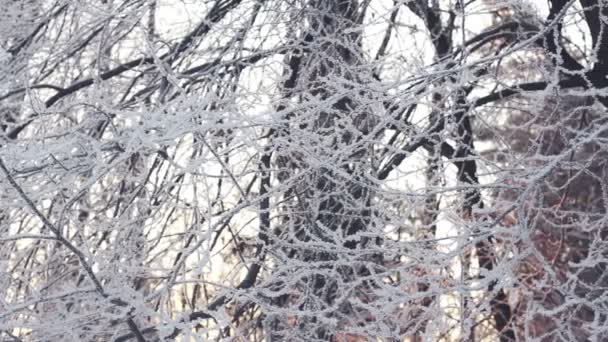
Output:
[[81, 258]]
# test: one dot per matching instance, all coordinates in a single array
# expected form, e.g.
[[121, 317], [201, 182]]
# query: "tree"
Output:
[[303, 170]]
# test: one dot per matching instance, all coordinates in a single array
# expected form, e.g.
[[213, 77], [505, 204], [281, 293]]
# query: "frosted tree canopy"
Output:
[[303, 170]]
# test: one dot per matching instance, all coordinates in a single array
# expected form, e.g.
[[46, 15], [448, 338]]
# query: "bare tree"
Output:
[[303, 170]]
